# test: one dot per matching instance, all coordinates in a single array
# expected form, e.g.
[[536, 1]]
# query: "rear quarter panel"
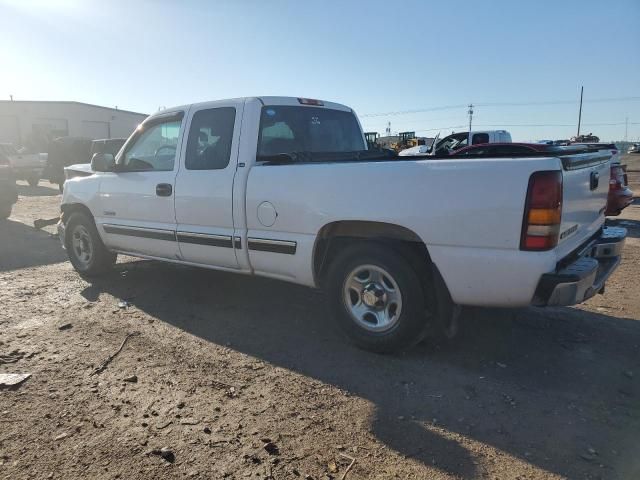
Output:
[[468, 213]]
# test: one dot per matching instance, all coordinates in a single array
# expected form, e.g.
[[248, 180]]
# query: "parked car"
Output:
[[105, 145], [286, 188], [26, 166], [63, 152], [619, 196], [519, 149], [416, 151], [554, 142], [616, 155], [8, 191], [456, 141], [589, 137], [508, 149], [635, 148]]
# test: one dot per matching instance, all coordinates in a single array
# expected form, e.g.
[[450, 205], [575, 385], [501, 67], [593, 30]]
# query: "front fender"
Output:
[[82, 191]]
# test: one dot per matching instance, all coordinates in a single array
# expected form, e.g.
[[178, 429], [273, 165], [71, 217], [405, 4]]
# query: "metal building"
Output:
[[35, 123]]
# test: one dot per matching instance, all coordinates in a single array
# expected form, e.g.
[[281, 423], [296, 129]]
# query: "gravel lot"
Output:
[[247, 378]]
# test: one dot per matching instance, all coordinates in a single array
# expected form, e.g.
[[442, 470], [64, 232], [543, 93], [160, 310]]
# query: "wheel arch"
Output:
[[336, 235], [68, 209]]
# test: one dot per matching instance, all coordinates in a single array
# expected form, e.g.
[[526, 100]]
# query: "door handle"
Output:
[[164, 189]]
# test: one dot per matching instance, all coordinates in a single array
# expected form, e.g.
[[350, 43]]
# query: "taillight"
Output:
[[311, 101], [542, 211], [617, 178]]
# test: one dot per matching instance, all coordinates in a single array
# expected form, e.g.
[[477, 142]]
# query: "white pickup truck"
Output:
[[26, 166], [285, 188]]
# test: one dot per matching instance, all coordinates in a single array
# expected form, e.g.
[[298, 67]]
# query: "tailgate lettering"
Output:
[[568, 231]]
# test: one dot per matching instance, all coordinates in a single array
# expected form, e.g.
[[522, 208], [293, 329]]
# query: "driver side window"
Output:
[[155, 149]]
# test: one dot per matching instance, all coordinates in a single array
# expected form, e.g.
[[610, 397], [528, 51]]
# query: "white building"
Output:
[[34, 123]]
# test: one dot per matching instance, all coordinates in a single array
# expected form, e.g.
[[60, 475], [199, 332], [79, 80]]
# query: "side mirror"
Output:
[[103, 162]]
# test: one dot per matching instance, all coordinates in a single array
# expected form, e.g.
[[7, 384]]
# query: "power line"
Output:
[[421, 110], [501, 104], [503, 125]]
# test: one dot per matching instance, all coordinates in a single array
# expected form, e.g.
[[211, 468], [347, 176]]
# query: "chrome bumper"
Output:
[[585, 276]]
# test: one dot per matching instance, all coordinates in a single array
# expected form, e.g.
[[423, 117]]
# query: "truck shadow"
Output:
[[22, 246], [543, 386]]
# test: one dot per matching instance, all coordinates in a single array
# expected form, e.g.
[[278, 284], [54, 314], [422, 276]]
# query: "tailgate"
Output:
[[585, 179], [27, 160]]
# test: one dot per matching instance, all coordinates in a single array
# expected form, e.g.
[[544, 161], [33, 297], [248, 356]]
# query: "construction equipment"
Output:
[[590, 138], [407, 140], [372, 139]]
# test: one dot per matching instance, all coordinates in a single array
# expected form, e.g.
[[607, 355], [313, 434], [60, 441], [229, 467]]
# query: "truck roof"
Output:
[[265, 100]]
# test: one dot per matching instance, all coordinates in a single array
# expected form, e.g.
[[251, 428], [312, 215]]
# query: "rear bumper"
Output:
[[585, 276]]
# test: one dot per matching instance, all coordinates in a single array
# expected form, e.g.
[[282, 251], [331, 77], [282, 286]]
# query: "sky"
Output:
[[378, 57]]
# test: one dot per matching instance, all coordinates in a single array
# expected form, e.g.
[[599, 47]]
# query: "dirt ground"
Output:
[[247, 378]]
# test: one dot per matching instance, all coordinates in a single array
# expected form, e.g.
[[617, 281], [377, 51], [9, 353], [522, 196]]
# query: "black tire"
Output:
[[33, 181], [99, 260], [408, 329], [5, 211]]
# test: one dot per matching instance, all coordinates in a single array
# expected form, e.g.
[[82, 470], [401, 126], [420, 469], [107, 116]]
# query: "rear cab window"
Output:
[[303, 129], [210, 138], [479, 138]]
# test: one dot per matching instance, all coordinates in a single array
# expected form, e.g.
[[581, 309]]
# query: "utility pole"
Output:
[[580, 111], [11, 97], [626, 128], [470, 112]]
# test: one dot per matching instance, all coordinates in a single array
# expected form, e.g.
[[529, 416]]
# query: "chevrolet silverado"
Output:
[[286, 188]]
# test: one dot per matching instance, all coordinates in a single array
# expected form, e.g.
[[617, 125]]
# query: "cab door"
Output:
[[204, 186], [136, 211]]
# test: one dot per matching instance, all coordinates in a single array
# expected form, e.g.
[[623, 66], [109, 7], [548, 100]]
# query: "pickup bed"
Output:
[[285, 188]]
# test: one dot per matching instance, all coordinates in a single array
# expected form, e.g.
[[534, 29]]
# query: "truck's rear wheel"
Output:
[[85, 249], [377, 298]]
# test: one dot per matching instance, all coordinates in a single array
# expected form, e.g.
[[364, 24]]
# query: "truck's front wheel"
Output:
[[85, 249], [377, 298]]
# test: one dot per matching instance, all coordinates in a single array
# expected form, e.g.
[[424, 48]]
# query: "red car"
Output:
[[620, 196]]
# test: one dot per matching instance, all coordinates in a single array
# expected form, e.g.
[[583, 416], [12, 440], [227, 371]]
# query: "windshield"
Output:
[[287, 129]]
